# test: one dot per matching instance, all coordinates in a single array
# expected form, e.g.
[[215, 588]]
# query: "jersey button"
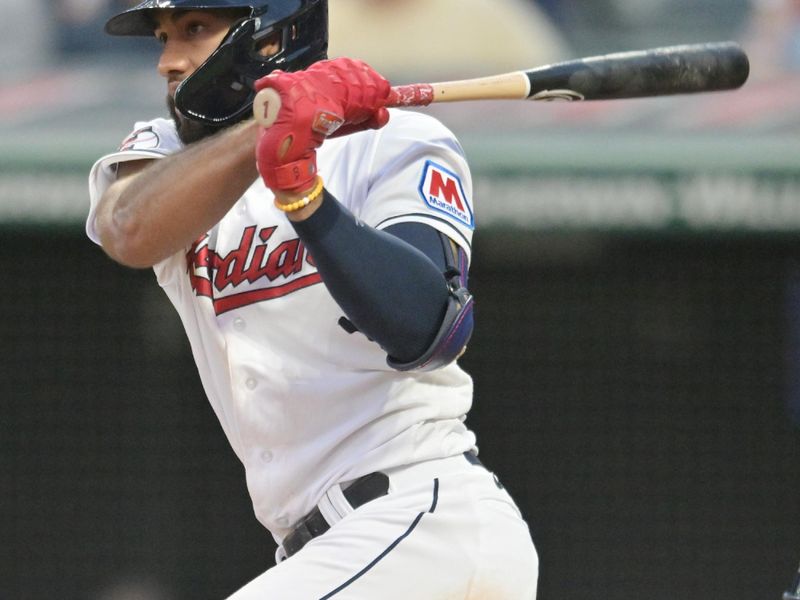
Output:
[[239, 324], [266, 456], [283, 521], [251, 384]]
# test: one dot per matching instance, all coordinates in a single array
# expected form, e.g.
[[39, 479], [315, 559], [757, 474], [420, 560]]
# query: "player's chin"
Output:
[[188, 130]]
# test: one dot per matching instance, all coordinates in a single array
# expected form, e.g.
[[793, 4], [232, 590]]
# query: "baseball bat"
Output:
[[670, 70]]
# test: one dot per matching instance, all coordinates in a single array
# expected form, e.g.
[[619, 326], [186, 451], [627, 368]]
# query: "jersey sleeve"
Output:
[[419, 174], [149, 140]]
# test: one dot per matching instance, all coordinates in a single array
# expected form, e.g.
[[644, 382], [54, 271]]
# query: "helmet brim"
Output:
[[131, 22], [138, 21]]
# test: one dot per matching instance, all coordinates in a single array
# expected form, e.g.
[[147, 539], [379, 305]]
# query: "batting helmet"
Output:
[[220, 91]]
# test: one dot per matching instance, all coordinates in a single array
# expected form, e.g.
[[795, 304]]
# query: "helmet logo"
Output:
[[552, 95]]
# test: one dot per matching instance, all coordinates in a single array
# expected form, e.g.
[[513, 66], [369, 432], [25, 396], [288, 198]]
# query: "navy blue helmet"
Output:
[[220, 92]]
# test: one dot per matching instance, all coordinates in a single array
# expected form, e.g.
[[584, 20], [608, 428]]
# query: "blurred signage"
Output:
[[640, 202], [669, 202]]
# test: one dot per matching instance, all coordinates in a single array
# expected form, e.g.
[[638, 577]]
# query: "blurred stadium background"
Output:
[[637, 353]]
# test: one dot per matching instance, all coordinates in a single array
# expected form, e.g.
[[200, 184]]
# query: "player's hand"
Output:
[[330, 98]]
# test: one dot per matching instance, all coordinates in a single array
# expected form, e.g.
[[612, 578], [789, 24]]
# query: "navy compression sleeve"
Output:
[[389, 289]]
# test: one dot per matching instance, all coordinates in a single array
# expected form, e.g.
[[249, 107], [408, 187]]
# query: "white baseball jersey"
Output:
[[303, 403]]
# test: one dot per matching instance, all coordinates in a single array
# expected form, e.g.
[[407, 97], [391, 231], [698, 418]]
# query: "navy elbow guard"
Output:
[[451, 340]]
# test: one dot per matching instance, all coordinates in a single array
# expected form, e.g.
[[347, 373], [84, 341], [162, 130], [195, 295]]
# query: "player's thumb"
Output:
[[379, 118]]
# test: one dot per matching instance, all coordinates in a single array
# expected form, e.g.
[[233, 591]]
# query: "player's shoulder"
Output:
[[411, 133], [408, 134], [148, 140], [156, 135], [421, 125]]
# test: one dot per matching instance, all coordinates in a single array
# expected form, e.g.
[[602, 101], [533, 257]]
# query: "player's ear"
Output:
[[270, 45]]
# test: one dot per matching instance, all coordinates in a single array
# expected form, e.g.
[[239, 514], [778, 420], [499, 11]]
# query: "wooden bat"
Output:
[[687, 69]]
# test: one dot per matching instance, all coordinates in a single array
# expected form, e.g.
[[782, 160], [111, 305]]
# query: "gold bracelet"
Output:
[[305, 201]]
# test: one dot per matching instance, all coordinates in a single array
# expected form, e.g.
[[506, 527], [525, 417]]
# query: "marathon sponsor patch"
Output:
[[141, 139], [441, 189]]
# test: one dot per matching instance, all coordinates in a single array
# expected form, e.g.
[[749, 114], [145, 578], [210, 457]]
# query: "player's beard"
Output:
[[190, 131]]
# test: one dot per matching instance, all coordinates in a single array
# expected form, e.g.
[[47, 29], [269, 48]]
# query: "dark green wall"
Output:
[[631, 393]]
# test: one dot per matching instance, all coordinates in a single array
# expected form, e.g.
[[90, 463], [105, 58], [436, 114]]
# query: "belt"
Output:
[[362, 490]]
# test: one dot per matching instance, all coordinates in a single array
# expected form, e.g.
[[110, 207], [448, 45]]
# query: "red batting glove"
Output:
[[330, 98]]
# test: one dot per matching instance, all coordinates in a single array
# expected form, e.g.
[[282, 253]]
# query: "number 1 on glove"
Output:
[[266, 106]]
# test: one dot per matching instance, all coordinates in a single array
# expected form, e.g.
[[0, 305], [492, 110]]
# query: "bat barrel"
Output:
[[657, 72]]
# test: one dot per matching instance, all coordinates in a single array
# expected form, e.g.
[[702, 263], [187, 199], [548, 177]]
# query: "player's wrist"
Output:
[[301, 204]]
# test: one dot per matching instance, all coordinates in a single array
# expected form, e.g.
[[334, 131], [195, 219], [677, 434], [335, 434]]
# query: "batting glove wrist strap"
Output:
[[294, 176]]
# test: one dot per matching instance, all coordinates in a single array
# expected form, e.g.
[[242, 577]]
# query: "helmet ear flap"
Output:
[[219, 92]]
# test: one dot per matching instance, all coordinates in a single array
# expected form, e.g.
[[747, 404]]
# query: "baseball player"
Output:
[[319, 268]]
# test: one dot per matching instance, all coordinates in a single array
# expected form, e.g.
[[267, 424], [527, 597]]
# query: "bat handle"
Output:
[[415, 94], [267, 103]]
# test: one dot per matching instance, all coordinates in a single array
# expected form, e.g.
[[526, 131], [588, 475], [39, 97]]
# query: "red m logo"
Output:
[[446, 190], [442, 191]]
